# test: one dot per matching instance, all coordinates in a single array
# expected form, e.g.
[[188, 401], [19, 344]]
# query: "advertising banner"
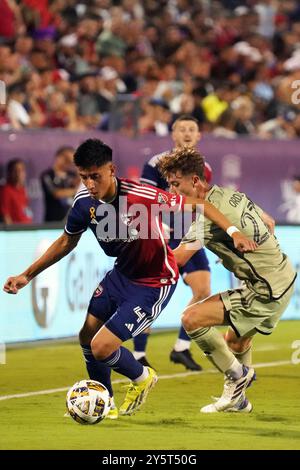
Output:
[[54, 304]]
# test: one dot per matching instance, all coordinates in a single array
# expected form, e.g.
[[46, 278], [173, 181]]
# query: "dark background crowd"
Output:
[[74, 64]]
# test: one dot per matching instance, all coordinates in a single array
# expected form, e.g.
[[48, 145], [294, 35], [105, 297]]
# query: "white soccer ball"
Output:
[[88, 401]]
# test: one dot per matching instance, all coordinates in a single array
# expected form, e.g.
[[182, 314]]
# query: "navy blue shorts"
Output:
[[198, 262], [127, 308]]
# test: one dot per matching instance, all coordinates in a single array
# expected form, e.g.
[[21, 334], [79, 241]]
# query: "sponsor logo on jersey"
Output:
[[163, 281], [129, 326], [98, 291]]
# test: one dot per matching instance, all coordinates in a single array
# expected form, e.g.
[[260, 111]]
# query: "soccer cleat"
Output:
[[185, 358], [137, 393], [143, 360], [113, 413], [232, 393], [242, 406]]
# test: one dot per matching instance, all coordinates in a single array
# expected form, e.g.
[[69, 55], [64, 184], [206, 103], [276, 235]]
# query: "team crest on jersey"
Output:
[[162, 199], [98, 291]]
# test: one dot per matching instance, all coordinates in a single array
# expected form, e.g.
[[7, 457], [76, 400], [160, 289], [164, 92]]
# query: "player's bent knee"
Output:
[[190, 321], [101, 350]]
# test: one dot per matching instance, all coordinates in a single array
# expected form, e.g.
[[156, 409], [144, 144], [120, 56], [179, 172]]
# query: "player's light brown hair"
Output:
[[186, 160]]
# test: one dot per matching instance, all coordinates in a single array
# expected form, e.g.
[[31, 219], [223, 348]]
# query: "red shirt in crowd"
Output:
[[14, 204]]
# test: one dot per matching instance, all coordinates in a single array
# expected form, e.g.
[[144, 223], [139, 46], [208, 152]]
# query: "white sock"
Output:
[[138, 355], [235, 371], [142, 377], [112, 402], [182, 345]]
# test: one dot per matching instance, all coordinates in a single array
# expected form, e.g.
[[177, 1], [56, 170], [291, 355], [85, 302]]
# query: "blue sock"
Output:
[[96, 369], [140, 342], [123, 362], [183, 334]]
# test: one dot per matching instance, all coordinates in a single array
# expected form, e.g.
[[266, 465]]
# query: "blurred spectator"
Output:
[[13, 196], [75, 59], [243, 111], [16, 112], [157, 118], [56, 113], [59, 185], [226, 125], [13, 24], [281, 127], [291, 196]]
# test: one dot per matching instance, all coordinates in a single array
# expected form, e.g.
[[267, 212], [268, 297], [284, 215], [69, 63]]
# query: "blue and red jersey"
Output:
[[145, 260]]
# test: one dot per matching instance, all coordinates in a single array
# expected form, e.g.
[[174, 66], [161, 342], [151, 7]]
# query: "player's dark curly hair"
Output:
[[92, 152], [186, 160]]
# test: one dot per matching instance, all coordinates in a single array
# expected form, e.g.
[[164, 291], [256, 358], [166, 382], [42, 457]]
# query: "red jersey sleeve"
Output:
[[149, 195]]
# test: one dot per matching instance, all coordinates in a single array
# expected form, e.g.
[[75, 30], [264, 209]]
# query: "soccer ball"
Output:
[[88, 402]]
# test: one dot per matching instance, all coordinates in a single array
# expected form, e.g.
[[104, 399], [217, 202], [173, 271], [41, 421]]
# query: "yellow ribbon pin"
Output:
[[92, 212]]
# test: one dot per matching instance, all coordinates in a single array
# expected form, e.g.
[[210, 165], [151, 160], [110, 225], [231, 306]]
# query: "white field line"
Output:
[[161, 377]]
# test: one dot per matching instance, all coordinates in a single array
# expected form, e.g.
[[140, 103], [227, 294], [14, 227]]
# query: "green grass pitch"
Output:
[[170, 419]]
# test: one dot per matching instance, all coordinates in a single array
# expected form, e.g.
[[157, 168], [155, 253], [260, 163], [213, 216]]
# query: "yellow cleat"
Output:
[[113, 413], [137, 393]]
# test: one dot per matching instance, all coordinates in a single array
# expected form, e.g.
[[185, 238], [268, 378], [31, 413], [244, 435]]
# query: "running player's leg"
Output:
[[141, 307], [196, 274], [241, 347], [199, 321], [100, 308], [140, 346], [96, 369]]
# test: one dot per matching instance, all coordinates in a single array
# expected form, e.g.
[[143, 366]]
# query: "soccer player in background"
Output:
[[135, 291], [196, 272], [267, 274]]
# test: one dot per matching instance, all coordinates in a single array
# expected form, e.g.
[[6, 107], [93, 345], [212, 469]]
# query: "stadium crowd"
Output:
[[231, 64]]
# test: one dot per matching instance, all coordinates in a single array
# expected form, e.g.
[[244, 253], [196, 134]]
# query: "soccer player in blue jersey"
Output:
[[133, 294], [196, 272]]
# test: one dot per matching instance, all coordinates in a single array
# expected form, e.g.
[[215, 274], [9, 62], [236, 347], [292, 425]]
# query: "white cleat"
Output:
[[232, 393], [242, 406]]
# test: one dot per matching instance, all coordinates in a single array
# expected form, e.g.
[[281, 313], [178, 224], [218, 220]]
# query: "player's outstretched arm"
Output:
[[241, 242], [60, 248]]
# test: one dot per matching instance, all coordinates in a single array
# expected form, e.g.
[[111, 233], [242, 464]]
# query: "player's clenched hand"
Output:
[[243, 243], [14, 283]]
